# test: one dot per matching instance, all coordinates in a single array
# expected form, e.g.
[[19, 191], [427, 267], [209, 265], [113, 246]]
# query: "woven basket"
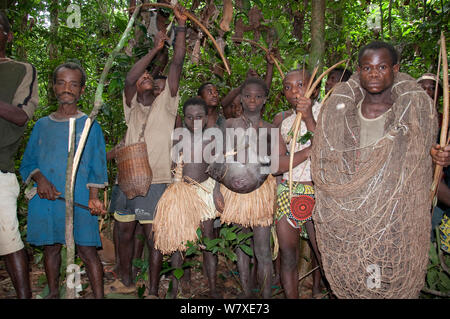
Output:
[[134, 172]]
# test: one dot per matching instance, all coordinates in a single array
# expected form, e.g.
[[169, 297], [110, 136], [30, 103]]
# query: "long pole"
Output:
[[74, 157]]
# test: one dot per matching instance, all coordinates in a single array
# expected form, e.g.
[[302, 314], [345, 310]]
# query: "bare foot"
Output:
[[52, 296]]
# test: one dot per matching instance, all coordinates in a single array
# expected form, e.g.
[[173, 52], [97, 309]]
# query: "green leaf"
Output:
[[140, 263], [246, 249], [44, 293], [166, 270], [444, 280], [199, 233], [191, 251], [141, 291], [432, 278], [230, 254], [230, 236], [244, 236], [433, 255], [305, 137], [223, 231], [210, 243], [178, 273]]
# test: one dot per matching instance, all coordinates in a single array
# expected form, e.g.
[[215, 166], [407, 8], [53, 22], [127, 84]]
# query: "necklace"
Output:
[[249, 123]]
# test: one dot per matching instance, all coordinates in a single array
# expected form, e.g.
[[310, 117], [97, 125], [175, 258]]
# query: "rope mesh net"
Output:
[[372, 212]]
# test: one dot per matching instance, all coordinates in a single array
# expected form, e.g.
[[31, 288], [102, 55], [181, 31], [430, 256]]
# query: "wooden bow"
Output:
[[443, 141], [298, 119]]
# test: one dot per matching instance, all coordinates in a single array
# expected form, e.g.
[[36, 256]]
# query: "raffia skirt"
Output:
[[251, 209]]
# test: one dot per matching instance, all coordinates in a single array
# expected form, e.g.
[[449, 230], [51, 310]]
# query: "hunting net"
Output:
[[372, 212]]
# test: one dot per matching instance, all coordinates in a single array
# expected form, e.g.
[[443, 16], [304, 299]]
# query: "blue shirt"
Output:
[[47, 151]]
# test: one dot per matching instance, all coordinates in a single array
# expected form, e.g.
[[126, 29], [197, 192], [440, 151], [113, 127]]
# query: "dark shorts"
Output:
[[140, 208]]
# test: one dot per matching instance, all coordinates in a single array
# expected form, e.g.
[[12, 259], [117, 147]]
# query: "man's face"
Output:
[[294, 86], [67, 86], [429, 86], [210, 95], [144, 83], [160, 84], [376, 71], [194, 113]]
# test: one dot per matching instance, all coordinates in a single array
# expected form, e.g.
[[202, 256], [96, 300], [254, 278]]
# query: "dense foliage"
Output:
[[45, 37]]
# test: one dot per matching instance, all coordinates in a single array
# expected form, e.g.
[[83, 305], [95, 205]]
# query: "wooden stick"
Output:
[[298, 120], [73, 160], [275, 60], [296, 127], [308, 273], [311, 90], [69, 236], [327, 95], [436, 88], [297, 123], [445, 120], [196, 21], [105, 203], [313, 75]]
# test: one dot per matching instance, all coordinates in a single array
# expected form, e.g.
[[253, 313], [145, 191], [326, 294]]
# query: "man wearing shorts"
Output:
[[18, 101], [158, 113]]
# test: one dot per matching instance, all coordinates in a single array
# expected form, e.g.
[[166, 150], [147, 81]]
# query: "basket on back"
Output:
[[134, 172]]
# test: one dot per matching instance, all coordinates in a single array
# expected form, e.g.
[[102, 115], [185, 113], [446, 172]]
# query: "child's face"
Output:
[[253, 98], [376, 71], [194, 113], [332, 80], [236, 106], [210, 95], [294, 86]]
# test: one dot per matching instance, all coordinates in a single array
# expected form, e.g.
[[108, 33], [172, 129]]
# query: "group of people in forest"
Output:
[[374, 116]]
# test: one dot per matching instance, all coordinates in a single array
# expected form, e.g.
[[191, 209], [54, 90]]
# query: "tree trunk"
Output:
[[381, 20], [390, 19], [317, 35], [21, 51], [52, 48]]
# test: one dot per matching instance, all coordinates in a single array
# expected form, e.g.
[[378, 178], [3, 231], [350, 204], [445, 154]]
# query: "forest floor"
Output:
[[197, 288]]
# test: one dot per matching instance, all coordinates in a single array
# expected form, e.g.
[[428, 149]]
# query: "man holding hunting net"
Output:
[[373, 173]]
